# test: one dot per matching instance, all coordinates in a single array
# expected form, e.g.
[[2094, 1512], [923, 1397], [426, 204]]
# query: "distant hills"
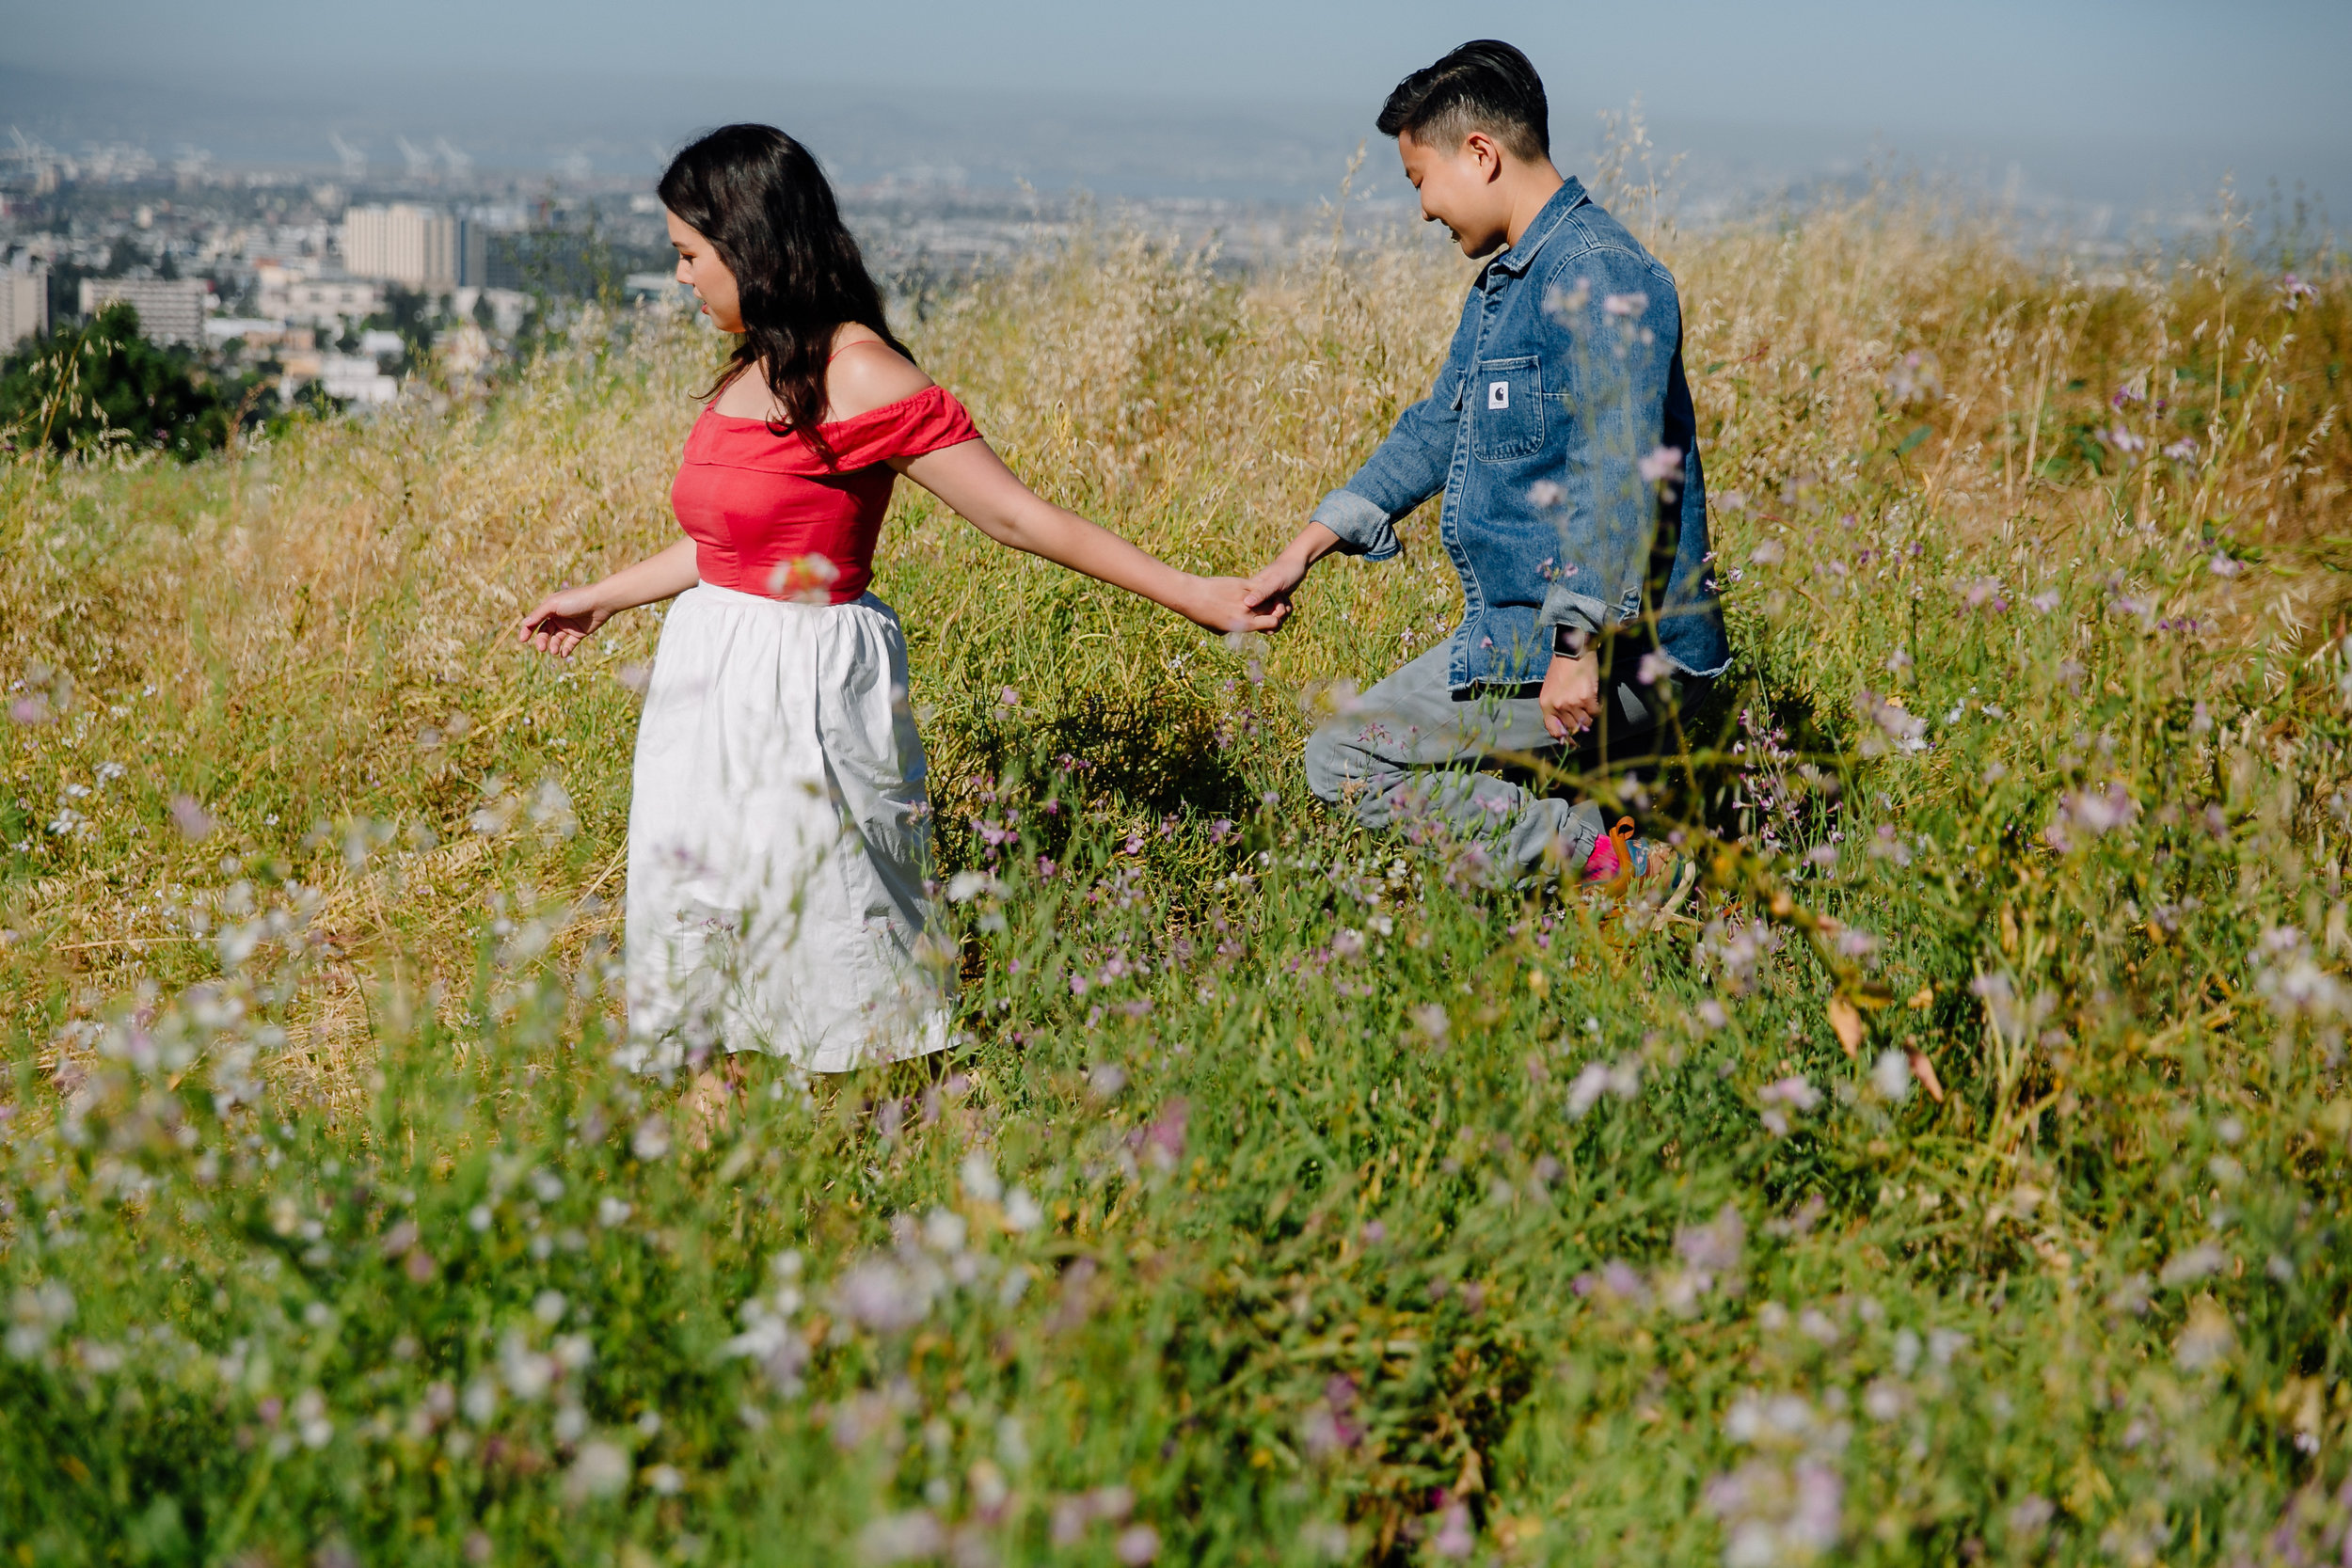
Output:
[[1292, 151]]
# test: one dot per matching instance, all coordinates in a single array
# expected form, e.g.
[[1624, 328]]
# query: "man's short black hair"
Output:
[[1483, 86]]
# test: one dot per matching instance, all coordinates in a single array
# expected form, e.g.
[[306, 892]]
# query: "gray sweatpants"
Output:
[[1411, 748]]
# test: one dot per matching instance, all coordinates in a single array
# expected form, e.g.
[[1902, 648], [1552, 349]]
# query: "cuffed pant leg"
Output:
[[1410, 752], [1355, 759]]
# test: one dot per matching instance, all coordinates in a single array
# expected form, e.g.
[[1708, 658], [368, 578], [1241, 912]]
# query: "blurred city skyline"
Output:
[[2099, 106]]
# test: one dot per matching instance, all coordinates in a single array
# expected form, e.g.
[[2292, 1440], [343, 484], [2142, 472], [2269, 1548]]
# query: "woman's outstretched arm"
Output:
[[564, 619], [971, 477]]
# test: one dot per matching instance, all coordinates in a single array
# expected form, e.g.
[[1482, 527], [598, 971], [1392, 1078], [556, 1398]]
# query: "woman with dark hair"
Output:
[[779, 840]]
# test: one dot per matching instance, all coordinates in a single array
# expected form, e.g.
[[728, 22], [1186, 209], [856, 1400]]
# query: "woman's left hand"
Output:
[[563, 621]]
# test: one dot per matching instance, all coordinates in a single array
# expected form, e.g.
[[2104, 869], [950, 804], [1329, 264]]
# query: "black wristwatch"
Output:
[[1572, 642]]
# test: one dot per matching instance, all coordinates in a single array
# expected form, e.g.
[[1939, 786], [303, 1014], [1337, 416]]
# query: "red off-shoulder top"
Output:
[[769, 515]]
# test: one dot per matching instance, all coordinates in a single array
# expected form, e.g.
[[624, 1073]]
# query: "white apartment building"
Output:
[[253, 329], [290, 295], [355, 378], [24, 302], [418, 247], [171, 310]]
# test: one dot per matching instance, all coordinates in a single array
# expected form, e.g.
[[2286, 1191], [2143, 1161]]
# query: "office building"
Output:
[[24, 302], [355, 378], [171, 310], [290, 295], [418, 247]]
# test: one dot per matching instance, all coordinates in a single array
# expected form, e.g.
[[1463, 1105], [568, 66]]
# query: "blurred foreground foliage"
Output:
[[100, 386]]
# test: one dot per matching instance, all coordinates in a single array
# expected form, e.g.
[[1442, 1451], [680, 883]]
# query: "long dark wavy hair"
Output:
[[760, 200]]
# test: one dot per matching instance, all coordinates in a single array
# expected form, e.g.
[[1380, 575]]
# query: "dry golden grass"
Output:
[[310, 616]]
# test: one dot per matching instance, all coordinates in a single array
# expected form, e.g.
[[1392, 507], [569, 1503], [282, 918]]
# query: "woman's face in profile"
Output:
[[700, 269]]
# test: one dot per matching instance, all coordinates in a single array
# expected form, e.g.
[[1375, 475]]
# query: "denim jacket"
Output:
[[1563, 386]]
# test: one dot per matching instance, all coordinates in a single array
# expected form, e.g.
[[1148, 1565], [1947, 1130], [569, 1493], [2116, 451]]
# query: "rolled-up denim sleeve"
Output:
[[1407, 469], [1364, 527], [1562, 607]]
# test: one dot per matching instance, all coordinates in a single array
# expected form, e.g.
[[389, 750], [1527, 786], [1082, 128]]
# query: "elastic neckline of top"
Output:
[[712, 409]]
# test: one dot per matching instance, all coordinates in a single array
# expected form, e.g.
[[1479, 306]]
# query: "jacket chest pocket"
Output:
[[1506, 408]]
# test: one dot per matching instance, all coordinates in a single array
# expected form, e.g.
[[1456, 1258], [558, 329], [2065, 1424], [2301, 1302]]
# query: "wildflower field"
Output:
[[1966, 1179]]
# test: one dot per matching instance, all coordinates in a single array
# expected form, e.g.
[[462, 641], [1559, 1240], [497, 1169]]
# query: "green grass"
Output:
[[1294, 1197]]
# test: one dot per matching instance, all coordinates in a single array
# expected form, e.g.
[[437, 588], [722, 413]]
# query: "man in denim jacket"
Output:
[[1562, 435]]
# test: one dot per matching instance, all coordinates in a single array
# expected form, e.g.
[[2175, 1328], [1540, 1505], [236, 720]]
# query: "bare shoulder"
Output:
[[868, 374]]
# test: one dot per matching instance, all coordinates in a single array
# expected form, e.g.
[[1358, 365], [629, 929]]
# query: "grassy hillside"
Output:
[[1296, 1196]]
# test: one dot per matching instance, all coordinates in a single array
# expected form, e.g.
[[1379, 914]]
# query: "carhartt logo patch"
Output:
[[1498, 394]]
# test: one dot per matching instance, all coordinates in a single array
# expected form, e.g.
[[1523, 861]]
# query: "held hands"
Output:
[[1271, 585], [1227, 605], [563, 621], [1570, 699]]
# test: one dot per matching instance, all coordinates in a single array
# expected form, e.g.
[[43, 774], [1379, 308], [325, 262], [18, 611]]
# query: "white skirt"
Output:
[[779, 839]]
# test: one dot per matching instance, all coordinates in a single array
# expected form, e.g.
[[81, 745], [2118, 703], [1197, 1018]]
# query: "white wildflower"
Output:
[[601, 1470], [2291, 982], [886, 1295], [651, 1140], [1787, 1504], [965, 886], [526, 1372], [902, 1538], [1891, 726], [34, 1316], [1714, 1249], [2207, 1338], [1622, 1079], [311, 1421], [944, 1231], [1891, 1075], [979, 1176], [2196, 1264], [551, 808]]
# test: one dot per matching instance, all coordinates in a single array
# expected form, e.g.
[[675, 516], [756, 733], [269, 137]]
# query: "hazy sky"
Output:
[[2256, 84]]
